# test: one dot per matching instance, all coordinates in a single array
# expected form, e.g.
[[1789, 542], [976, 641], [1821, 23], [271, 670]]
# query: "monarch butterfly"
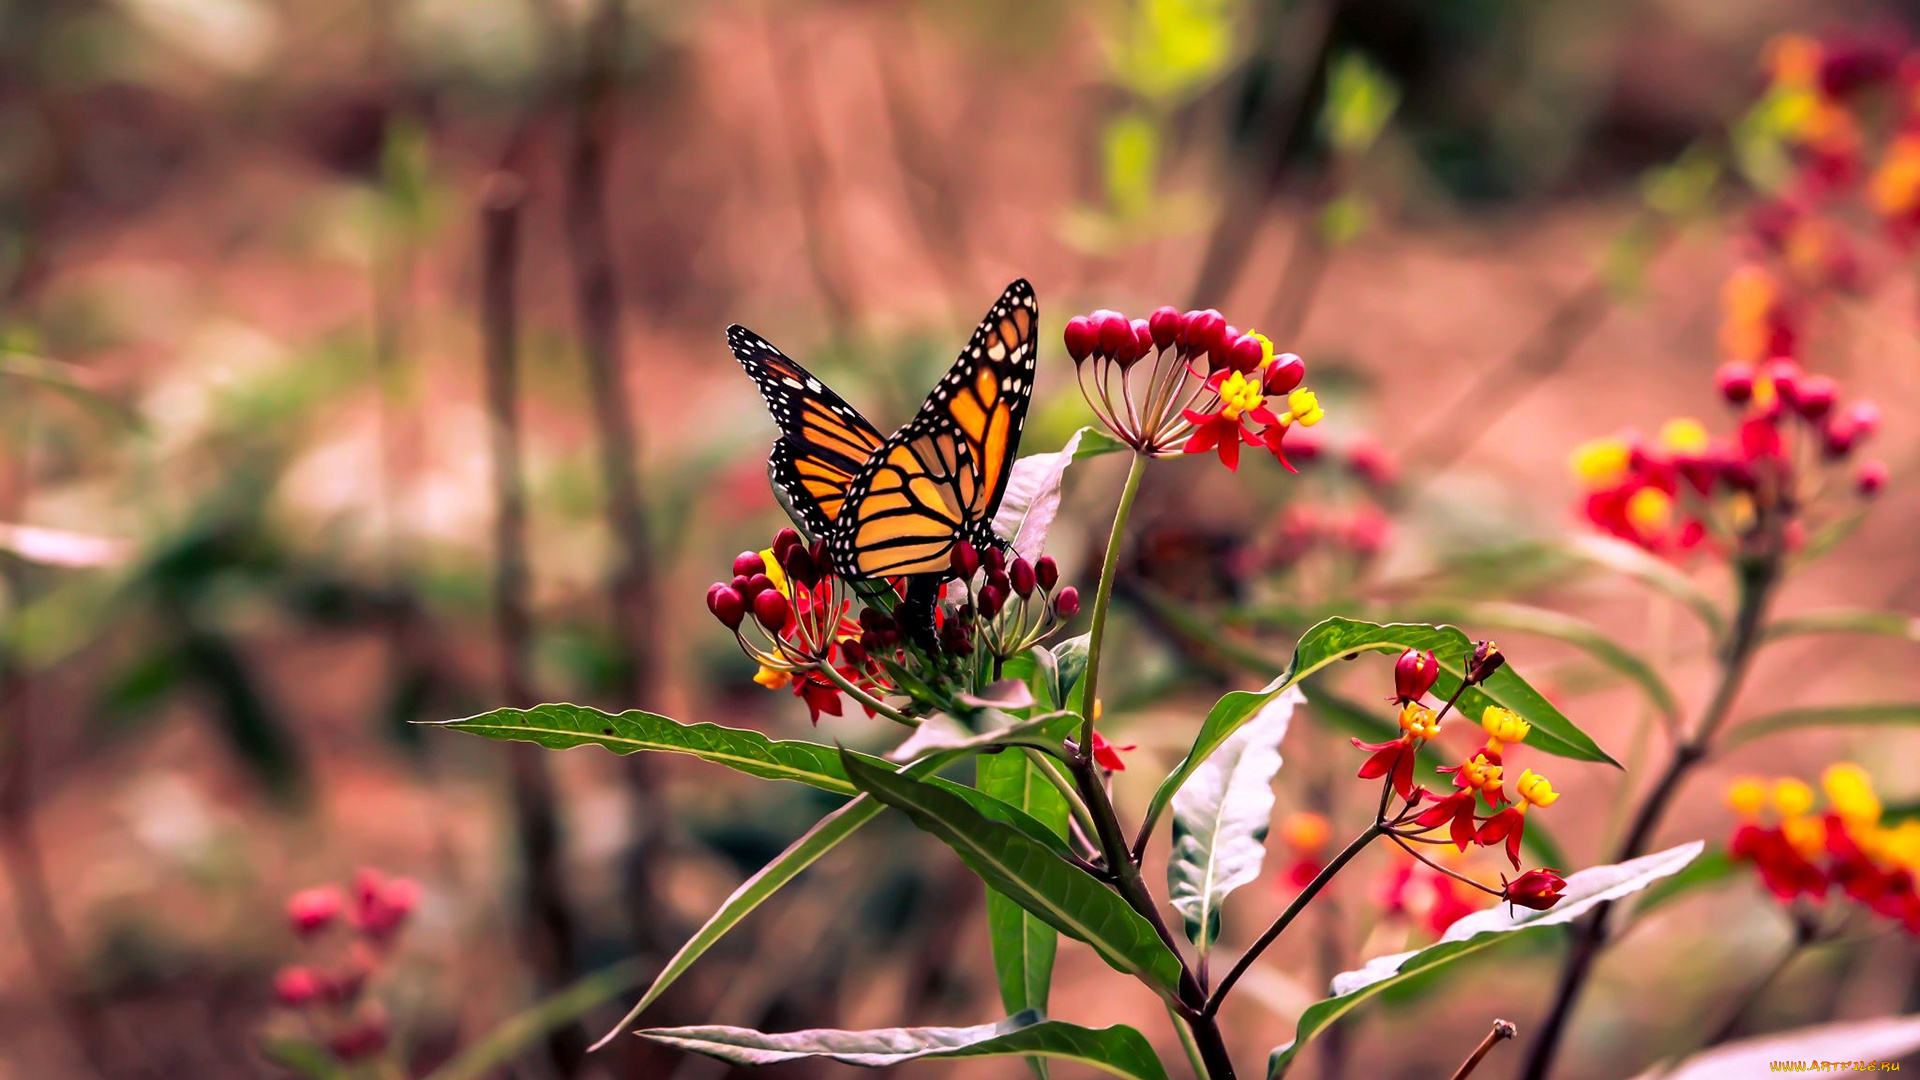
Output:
[[895, 506]]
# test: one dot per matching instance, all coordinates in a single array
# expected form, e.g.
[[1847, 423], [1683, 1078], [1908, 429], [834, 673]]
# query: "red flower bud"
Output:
[[955, 638], [755, 585], [1067, 604], [1815, 397], [312, 910], [1081, 336], [1285, 373], [1245, 354], [1487, 659], [1871, 478], [1164, 324], [1414, 674], [1785, 376], [1046, 573], [1022, 577], [1220, 354], [727, 605], [800, 565], [1116, 335], [1537, 889], [782, 542], [1202, 331], [1865, 416], [1735, 381], [297, 986], [771, 609], [748, 563], [993, 597], [362, 1039], [853, 652], [964, 559], [994, 560]]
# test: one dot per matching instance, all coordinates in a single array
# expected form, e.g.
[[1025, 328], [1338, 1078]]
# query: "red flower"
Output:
[[1108, 755], [1537, 889], [1456, 812], [1506, 825], [1241, 400], [1395, 757]]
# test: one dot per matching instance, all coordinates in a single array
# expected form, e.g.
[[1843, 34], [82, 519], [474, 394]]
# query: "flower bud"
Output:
[[1537, 889], [1785, 377], [1081, 336], [771, 609], [748, 563], [313, 910], [1046, 573], [296, 986], [800, 566], [1245, 354], [1202, 331], [1116, 335], [1067, 604], [1865, 416], [1285, 373], [994, 560], [1414, 674], [727, 605], [955, 638], [853, 652], [993, 597], [1871, 478], [756, 585], [783, 540], [1735, 381], [1022, 577], [1001, 580], [363, 1038], [1487, 659], [1142, 343], [964, 559], [1220, 355], [1815, 397], [1164, 324]]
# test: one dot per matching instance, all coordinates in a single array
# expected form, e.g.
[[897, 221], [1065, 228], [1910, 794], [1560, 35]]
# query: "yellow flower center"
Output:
[[773, 678], [1747, 797], [1850, 793], [1240, 394], [1535, 790], [1266, 350], [1685, 435], [1503, 726], [1650, 509], [775, 574], [1418, 721], [1601, 462], [1793, 798], [1481, 774], [1303, 408]]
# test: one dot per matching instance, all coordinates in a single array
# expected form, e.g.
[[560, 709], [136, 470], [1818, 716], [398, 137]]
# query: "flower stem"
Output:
[[1759, 576], [1286, 917], [1102, 600], [865, 699], [1049, 771], [1502, 1031]]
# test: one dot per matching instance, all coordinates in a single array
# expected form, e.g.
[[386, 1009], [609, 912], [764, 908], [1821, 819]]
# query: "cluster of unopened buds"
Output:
[[1189, 383], [349, 935], [1480, 778], [1684, 489], [1846, 848], [792, 615]]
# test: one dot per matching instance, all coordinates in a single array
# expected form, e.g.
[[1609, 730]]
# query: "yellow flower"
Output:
[[773, 678], [1793, 798], [1808, 835], [775, 574], [1303, 408], [1685, 435], [1266, 350], [1747, 797], [1534, 790], [1850, 793], [1601, 462], [1239, 394], [1503, 726], [1650, 509], [1418, 721], [1482, 774]]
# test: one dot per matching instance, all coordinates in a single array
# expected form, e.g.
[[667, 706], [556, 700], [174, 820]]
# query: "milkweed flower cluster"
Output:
[[1802, 850], [1205, 386], [1685, 490], [793, 615], [349, 935], [1479, 779]]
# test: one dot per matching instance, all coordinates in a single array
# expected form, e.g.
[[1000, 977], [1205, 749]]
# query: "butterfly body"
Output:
[[894, 507]]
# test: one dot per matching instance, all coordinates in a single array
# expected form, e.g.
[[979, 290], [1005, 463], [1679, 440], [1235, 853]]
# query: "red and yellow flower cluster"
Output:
[[1801, 850], [350, 934], [1207, 389]]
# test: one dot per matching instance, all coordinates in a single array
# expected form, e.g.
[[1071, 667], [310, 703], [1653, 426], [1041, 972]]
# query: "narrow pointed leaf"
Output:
[[1887, 1039], [1585, 890], [1335, 639], [1118, 1050], [491, 1053], [1864, 621], [1032, 498], [1221, 816], [1024, 945], [1031, 873], [1900, 713]]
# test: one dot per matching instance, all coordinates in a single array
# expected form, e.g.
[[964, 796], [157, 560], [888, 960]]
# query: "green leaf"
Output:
[[507, 1040], [1579, 633], [1031, 873], [1023, 944], [561, 726], [1220, 820], [1623, 558], [1585, 890], [1845, 621], [1032, 498], [1773, 723], [1336, 638], [1118, 1050], [1071, 656], [1886, 1039]]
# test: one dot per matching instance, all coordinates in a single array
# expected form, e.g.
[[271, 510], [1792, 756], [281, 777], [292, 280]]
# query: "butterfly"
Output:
[[894, 506]]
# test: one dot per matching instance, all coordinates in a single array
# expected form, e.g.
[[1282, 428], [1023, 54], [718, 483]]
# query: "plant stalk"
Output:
[[1502, 1031], [1102, 600], [1759, 578]]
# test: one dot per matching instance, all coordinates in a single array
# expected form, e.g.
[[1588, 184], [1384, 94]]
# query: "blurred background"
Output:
[[281, 282]]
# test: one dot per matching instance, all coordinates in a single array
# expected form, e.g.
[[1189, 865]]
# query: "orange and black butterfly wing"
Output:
[[940, 478], [824, 442]]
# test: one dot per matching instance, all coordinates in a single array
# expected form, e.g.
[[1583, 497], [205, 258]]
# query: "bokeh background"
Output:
[[249, 255]]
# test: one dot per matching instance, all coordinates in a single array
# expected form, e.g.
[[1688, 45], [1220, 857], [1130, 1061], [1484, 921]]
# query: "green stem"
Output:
[[1049, 769], [1286, 917], [1102, 600], [1185, 1032], [868, 700]]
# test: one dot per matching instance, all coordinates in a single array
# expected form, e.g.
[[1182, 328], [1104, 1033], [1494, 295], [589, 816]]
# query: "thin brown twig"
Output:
[[1502, 1031]]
